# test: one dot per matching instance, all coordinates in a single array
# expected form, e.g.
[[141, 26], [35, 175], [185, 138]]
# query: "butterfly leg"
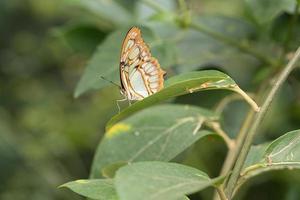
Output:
[[120, 100]]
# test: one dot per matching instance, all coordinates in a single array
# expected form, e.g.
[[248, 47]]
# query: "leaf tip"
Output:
[[62, 186], [77, 93]]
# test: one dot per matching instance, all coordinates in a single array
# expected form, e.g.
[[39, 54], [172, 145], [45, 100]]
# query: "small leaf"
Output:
[[265, 11], [282, 153], [159, 180], [184, 84], [100, 189], [159, 133]]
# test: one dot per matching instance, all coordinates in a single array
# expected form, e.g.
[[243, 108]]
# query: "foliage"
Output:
[[183, 42], [171, 145]]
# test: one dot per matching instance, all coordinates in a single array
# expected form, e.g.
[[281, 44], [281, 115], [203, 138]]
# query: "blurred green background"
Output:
[[48, 138]]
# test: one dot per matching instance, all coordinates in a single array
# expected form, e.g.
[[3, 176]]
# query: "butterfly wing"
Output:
[[140, 73]]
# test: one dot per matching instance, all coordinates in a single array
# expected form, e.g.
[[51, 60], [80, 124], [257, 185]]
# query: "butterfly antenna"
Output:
[[110, 81]]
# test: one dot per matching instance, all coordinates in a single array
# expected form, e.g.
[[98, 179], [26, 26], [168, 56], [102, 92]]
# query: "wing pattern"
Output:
[[140, 73]]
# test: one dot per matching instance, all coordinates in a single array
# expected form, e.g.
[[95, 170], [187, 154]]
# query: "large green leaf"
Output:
[[199, 49], [82, 37], [282, 153], [159, 180], [280, 31], [159, 133], [144, 12], [265, 11], [105, 61], [100, 189], [184, 84], [111, 11]]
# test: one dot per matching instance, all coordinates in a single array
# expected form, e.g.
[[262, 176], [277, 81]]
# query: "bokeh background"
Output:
[[47, 137]]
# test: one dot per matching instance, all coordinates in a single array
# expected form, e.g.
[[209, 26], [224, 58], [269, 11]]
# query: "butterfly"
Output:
[[140, 73]]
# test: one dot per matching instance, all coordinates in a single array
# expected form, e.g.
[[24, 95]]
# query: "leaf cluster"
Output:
[[136, 157]]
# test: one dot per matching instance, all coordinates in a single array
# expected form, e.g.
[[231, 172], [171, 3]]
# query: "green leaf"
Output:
[[159, 180], [173, 46], [107, 10], [100, 189], [184, 84], [158, 133], [145, 12], [282, 153], [255, 155], [281, 31], [82, 37], [184, 198], [199, 49], [265, 11], [109, 171], [105, 61]]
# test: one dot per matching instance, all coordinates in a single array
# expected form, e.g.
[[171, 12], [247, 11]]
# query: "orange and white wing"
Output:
[[140, 73]]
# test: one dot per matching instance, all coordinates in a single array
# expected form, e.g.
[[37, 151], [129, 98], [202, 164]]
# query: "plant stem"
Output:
[[247, 98], [233, 153], [221, 193], [291, 27], [217, 128], [182, 5], [225, 101], [241, 46], [258, 117], [154, 5]]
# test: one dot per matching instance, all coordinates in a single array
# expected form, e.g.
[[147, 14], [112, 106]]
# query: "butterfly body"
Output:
[[140, 73]]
